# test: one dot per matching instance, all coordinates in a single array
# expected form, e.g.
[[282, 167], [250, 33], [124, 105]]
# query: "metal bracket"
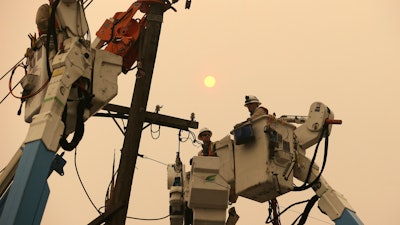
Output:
[[58, 165]]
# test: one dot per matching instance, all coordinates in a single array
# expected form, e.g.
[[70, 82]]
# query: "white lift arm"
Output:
[[259, 164]]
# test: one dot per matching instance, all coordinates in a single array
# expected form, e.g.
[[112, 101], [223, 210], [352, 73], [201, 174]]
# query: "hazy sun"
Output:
[[209, 81]]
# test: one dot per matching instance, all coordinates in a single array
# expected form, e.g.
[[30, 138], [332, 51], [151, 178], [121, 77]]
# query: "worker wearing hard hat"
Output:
[[253, 105], [208, 146]]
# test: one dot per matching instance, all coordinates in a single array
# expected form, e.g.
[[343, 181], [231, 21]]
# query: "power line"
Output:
[[148, 219], [83, 186]]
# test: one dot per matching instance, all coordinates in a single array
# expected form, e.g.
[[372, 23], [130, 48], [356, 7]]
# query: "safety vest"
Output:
[[211, 150]]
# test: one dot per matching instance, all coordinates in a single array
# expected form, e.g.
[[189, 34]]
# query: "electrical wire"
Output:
[[136, 218], [111, 182], [290, 206], [9, 92], [87, 4], [273, 212], [307, 210], [185, 139], [16, 64], [83, 186], [304, 216], [154, 160], [298, 203], [297, 218], [305, 185], [191, 136], [158, 131], [24, 97]]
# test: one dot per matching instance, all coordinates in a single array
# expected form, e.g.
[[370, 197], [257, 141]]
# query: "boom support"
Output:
[[77, 80]]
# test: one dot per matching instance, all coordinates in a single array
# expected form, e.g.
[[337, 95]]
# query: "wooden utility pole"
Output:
[[136, 118], [116, 213]]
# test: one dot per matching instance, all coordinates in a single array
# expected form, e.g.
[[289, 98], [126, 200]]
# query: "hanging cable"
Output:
[[9, 92], [273, 212], [136, 218], [80, 180], [158, 131], [26, 96], [86, 3], [16, 64], [185, 139], [79, 125], [191, 136], [297, 218], [305, 186], [307, 210], [298, 203], [290, 206]]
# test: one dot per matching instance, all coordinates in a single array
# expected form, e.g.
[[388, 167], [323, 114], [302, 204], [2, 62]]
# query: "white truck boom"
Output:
[[259, 163]]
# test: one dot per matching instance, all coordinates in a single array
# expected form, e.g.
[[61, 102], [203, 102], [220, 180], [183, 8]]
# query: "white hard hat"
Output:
[[204, 129], [251, 99]]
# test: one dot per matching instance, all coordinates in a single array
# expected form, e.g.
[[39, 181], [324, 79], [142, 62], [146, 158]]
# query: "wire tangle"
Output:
[[24, 95], [307, 184], [273, 212], [190, 136], [304, 214]]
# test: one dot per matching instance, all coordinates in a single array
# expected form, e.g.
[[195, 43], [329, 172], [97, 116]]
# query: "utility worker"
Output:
[[253, 105], [42, 18], [208, 146]]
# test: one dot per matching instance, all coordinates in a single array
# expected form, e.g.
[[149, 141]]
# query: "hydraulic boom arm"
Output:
[[259, 164]]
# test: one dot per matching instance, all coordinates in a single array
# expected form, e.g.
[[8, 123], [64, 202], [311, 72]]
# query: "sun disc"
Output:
[[209, 81]]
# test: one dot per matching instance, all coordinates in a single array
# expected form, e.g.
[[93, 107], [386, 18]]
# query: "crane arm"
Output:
[[70, 71], [331, 202], [317, 126], [260, 164]]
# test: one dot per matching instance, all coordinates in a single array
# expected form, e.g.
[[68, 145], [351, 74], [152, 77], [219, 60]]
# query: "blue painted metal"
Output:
[[29, 191], [42, 205], [3, 201], [348, 218]]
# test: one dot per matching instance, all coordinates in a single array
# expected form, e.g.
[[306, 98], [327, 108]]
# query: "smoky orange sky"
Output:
[[288, 53]]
